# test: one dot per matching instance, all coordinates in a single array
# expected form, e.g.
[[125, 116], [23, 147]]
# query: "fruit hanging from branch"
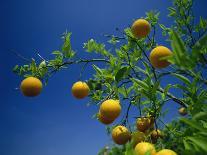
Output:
[[31, 87], [131, 78], [110, 109], [121, 135], [157, 56], [144, 148], [182, 111], [166, 152], [140, 28], [80, 90]]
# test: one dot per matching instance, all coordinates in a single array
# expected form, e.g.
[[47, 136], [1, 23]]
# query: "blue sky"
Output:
[[55, 123]]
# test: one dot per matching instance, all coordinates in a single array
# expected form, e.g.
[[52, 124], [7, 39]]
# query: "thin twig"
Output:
[[20, 56]]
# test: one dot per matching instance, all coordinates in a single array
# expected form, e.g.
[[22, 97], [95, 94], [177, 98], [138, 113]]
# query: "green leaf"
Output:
[[66, 49], [193, 124], [33, 67], [16, 69], [162, 26], [201, 142], [180, 55], [172, 11], [120, 74], [93, 46], [128, 32], [183, 78], [155, 87], [200, 116], [140, 83], [167, 88], [201, 43], [98, 70], [187, 145], [129, 149], [56, 53], [42, 64]]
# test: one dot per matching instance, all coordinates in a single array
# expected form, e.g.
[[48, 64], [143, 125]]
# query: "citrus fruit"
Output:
[[110, 109], [155, 134], [104, 119], [143, 124], [140, 28], [31, 86], [159, 53], [144, 148], [166, 152], [182, 111], [120, 135], [80, 90]]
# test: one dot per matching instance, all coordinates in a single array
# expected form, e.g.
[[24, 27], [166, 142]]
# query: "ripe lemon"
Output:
[[104, 119], [156, 56], [120, 135], [31, 86], [140, 28], [110, 109], [182, 111], [80, 90], [166, 152], [144, 147], [143, 124], [137, 137]]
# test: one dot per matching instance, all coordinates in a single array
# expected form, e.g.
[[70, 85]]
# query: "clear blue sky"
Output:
[[55, 123]]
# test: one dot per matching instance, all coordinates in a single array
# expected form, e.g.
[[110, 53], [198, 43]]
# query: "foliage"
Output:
[[127, 75]]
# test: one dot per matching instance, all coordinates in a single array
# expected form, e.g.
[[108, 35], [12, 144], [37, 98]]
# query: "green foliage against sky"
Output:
[[128, 75]]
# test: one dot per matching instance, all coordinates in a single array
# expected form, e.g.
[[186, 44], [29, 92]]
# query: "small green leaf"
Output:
[[155, 87], [16, 68], [56, 53], [66, 48], [33, 67], [183, 78], [140, 83], [97, 69]]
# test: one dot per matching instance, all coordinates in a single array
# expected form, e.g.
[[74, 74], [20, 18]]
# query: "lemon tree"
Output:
[[132, 72]]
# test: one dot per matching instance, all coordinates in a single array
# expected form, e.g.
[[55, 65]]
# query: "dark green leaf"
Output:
[[201, 142], [120, 74], [193, 124]]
